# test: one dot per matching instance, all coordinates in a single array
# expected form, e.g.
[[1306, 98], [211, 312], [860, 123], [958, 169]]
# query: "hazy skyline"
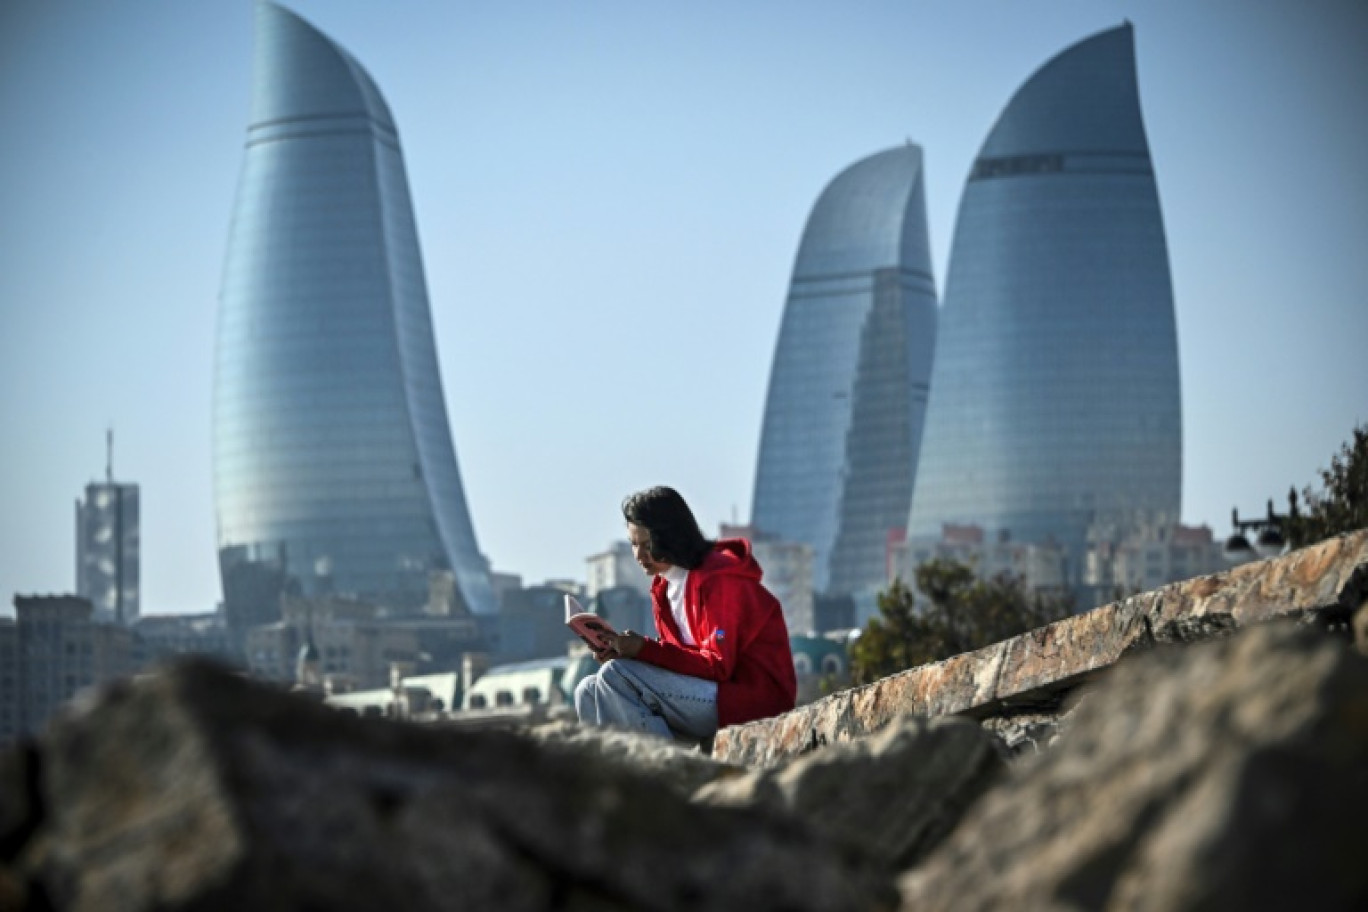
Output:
[[609, 200]]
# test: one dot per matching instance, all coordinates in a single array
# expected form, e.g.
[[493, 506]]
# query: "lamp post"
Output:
[[1270, 535]]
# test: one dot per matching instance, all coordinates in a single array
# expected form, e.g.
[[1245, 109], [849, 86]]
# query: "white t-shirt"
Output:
[[675, 578]]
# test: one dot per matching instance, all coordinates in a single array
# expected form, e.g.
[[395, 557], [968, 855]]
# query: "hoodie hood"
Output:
[[731, 556]]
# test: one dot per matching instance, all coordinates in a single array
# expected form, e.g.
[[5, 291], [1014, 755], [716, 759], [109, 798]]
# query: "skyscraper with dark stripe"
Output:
[[1054, 401], [847, 390], [334, 470]]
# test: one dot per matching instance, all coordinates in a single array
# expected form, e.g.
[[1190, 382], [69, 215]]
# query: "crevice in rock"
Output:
[[1196, 629]]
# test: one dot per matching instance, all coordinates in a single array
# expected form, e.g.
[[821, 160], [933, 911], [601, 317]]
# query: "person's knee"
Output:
[[584, 690], [585, 684], [615, 675]]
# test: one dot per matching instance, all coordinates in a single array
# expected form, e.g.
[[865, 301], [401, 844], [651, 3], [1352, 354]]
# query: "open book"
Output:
[[591, 628]]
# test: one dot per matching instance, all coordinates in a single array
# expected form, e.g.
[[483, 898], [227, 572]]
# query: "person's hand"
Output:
[[624, 645], [627, 644]]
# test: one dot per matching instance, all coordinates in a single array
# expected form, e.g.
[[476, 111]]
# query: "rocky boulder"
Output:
[[893, 796], [682, 769], [1230, 775], [195, 789]]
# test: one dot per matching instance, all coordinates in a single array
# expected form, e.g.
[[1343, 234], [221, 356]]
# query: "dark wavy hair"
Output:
[[675, 536]]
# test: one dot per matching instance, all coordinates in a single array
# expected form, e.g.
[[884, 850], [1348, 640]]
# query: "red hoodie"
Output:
[[738, 625]]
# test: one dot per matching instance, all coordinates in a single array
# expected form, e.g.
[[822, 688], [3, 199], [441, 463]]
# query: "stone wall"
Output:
[[1028, 676]]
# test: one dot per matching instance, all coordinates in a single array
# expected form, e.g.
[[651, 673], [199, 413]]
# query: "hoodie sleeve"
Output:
[[729, 607]]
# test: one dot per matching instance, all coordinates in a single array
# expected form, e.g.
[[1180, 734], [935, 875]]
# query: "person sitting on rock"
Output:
[[721, 655]]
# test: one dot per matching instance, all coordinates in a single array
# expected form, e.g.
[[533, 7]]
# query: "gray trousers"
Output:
[[633, 695]]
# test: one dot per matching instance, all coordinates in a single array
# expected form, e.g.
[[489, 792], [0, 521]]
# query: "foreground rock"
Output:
[[1031, 674], [1231, 775], [198, 790], [681, 769], [893, 796]]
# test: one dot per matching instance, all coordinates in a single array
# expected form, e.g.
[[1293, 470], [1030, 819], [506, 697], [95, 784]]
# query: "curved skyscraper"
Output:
[[334, 470], [847, 390], [1055, 398]]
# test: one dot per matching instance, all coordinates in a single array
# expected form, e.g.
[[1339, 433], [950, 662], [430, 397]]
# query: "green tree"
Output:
[[958, 613], [1342, 506]]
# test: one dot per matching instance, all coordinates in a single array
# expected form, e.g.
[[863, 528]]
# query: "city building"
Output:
[[848, 385], [626, 608], [356, 644], [107, 547], [420, 698], [60, 650], [1123, 561], [534, 685], [114, 651], [1039, 566], [162, 637], [56, 654], [1054, 400], [532, 622], [614, 567], [504, 584], [11, 725], [351, 654], [821, 666], [333, 463]]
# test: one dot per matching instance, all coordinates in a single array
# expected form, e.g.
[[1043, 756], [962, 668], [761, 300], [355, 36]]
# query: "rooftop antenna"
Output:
[[109, 454]]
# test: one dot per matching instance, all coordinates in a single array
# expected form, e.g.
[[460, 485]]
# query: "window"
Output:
[[531, 695], [477, 701], [1008, 166]]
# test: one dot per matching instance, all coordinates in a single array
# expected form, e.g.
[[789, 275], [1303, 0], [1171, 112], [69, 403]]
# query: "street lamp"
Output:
[[1269, 540]]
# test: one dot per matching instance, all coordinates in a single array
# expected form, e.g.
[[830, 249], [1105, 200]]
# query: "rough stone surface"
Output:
[[1028, 732], [197, 790], [1230, 775], [682, 769], [1324, 584], [893, 796]]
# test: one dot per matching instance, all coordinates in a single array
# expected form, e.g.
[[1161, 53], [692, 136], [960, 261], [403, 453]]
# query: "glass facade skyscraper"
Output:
[[847, 389], [1055, 394], [334, 470]]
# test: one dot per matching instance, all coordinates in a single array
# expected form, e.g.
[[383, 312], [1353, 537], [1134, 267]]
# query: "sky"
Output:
[[609, 198]]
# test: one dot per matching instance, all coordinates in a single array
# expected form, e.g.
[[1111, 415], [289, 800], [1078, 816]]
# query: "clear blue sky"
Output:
[[609, 198]]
